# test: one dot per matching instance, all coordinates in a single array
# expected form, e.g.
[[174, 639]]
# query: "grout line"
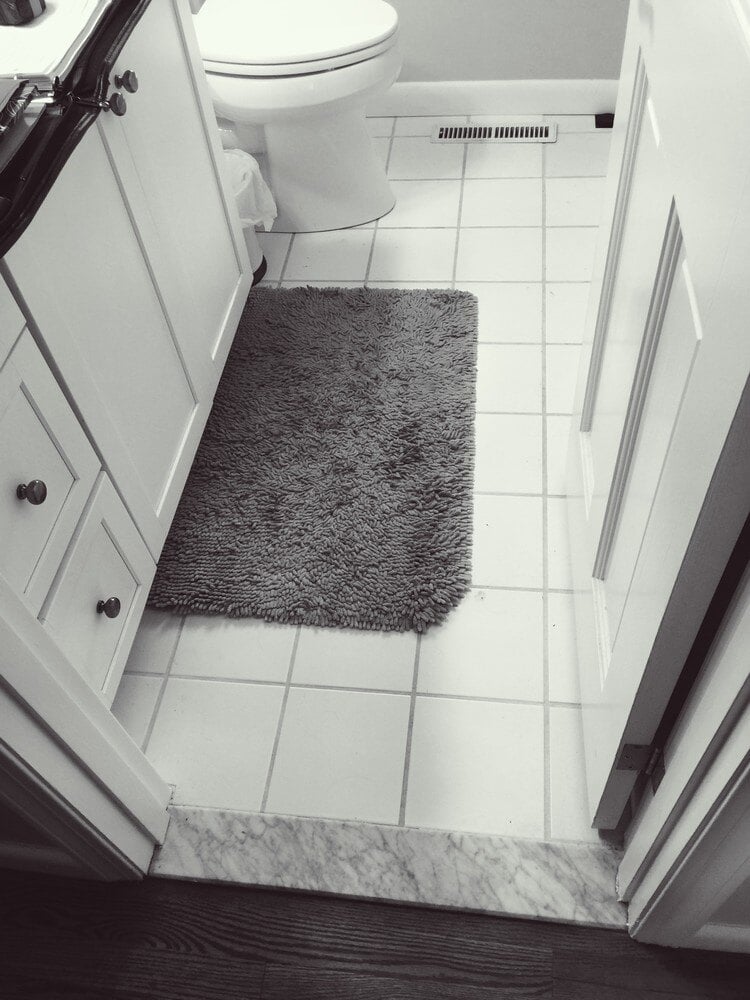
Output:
[[282, 712], [545, 527], [524, 590], [282, 272], [409, 732], [227, 680], [460, 211], [162, 689], [375, 228], [396, 692], [506, 493]]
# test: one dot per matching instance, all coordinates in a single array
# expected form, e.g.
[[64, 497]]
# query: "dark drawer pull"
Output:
[[128, 81], [117, 104], [35, 492], [110, 607]]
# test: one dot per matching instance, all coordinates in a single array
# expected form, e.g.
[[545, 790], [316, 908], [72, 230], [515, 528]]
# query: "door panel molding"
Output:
[[627, 174], [670, 254]]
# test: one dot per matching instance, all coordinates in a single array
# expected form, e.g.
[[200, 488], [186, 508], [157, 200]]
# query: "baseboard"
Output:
[[492, 97]]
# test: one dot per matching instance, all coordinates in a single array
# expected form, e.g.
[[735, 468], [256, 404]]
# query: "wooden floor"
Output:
[[168, 940]]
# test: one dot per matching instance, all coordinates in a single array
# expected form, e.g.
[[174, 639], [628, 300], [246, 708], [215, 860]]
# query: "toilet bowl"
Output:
[[302, 71]]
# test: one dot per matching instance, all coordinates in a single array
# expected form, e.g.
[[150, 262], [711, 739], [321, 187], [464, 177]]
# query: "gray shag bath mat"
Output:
[[333, 483]]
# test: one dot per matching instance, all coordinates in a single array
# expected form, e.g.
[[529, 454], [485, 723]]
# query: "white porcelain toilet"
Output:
[[303, 70]]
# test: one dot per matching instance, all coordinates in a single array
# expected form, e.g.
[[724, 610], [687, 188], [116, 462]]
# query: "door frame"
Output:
[[687, 849], [66, 764]]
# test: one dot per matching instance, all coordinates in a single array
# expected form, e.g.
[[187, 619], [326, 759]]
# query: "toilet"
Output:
[[301, 72]]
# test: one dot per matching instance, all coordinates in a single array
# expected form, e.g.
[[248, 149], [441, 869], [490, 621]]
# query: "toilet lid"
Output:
[[283, 32]]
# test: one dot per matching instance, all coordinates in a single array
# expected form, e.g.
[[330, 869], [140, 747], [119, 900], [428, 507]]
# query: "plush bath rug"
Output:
[[333, 483]]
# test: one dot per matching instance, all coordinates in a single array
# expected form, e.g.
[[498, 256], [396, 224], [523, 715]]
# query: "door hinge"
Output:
[[645, 758]]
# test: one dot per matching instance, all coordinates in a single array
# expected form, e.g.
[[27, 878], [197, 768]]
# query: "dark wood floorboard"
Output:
[[171, 940]]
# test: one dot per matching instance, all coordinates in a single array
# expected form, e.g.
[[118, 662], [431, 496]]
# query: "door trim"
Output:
[[64, 755]]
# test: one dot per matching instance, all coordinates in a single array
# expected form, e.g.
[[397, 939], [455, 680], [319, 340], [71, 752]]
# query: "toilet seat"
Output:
[[292, 37]]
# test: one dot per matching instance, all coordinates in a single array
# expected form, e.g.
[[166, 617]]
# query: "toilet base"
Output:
[[325, 173]]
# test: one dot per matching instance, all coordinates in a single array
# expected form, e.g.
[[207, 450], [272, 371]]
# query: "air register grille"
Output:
[[495, 133]]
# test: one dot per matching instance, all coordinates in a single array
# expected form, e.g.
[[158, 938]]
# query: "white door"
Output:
[[658, 488]]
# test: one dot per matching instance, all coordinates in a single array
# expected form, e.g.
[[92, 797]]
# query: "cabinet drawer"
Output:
[[107, 559], [40, 439]]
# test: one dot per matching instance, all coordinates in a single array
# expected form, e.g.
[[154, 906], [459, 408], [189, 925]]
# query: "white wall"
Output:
[[511, 39], [508, 39]]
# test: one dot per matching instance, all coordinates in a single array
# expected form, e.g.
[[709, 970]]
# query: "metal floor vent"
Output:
[[494, 133]]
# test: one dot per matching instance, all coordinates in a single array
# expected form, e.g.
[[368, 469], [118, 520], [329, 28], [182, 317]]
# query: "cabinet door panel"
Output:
[[106, 559], [103, 322], [39, 439], [161, 145]]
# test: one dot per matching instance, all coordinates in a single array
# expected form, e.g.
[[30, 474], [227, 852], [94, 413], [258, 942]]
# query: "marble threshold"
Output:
[[563, 881]]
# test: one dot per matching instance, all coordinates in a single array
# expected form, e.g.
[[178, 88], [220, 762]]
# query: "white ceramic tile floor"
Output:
[[566, 306], [341, 754], [505, 202], [508, 453], [475, 725], [472, 764], [498, 160], [509, 312], [423, 204]]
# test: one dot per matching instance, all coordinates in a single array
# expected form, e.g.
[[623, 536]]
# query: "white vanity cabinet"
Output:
[[134, 271], [128, 287]]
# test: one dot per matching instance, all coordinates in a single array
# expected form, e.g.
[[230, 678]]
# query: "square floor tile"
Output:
[[490, 646], [559, 569], [354, 658], [572, 123], [477, 766], [509, 378], [341, 755], [412, 125], [562, 375], [420, 159], [213, 740], [507, 542], [134, 704], [562, 654], [274, 247], [413, 255], [498, 160], [421, 204], [154, 643], [568, 802], [508, 311], [558, 436], [570, 253], [378, 127], [573, 201], [578, 155], [321, 284], [567, 305], [499, 255], [509, 454], [234, 648], [506, 119], [409, 284], [342, 253], [514, 202]]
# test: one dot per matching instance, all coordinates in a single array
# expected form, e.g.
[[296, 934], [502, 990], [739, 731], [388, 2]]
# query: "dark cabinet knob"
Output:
[[35, 492], [117, 104], [110, 607], [128, 81]]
